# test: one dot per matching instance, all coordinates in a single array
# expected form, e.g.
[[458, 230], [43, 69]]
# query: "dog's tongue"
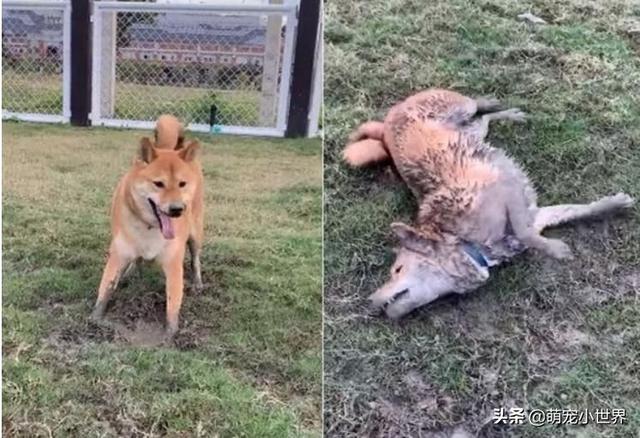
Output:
[[166, 227]]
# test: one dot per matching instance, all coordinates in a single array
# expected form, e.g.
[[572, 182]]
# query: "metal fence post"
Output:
[[304, 61], [80, 62], [271, 68]]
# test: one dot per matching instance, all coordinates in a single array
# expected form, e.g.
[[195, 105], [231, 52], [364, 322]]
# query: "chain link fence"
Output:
[[210, 68], [219, 67], [34, 60]]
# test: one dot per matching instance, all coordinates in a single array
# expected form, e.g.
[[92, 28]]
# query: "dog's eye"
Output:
[[182, 183], [398, 269], [158, 184]]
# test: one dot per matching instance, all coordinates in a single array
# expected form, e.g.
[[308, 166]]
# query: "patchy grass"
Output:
[[541, 334], [247, 360]]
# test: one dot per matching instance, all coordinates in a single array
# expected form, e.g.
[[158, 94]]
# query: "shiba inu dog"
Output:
[[477, 207], [156, 212]]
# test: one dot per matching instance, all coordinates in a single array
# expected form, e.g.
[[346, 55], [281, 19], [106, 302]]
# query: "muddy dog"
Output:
[[156, 212], [477, 207]]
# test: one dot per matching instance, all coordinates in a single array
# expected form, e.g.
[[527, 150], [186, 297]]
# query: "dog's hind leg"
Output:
[[365, 152], [472, 110], [488, 105], [479, 127], [514, 114], [194, 250], [128, 270], [559, 214]]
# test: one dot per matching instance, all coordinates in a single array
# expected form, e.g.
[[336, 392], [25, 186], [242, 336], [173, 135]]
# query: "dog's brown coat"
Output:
[[169, 174]]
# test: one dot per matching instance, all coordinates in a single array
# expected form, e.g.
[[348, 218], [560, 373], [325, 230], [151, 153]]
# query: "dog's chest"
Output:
[[151, 245], [144, 242]]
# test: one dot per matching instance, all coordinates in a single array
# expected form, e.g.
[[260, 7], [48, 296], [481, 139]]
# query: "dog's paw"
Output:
[[620, 201], [197, 288], [168, 336], [97, 315], [557, 249], [515, 114], [354, 154]]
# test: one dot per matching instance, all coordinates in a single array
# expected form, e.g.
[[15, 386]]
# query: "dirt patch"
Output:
[[138, 320], [414, 401], [86, 331], [144, 334], [631, 32]]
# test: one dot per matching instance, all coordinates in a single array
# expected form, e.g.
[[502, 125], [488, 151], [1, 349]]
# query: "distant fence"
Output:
[[36, 71], [221, 67]]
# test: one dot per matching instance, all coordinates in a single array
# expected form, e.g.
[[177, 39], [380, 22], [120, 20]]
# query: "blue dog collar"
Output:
[[476, 254]]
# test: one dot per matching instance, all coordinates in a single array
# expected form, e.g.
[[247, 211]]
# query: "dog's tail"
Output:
[[373, 130], [169, 132], [366, 145]]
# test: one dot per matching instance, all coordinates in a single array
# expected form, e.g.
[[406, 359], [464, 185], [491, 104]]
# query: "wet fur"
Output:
[[467, 190]]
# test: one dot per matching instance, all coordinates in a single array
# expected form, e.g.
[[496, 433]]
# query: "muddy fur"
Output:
[[470, 195]]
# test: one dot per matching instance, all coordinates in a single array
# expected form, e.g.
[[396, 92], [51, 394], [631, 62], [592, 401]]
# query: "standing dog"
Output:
[[477, 207], [156, 212]]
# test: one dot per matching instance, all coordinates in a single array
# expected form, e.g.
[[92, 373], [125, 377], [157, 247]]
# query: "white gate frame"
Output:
[[65, 6], [288, 9], [317, 91]]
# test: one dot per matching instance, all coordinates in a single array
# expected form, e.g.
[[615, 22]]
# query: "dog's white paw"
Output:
[[620, 200], [556, 248], [515, 114]]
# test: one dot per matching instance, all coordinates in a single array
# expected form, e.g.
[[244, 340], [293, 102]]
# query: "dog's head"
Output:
[[164, 182], [425, 270]]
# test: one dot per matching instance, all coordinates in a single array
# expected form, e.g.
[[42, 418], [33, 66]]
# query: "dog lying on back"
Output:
[[477, 207], [156, 212]]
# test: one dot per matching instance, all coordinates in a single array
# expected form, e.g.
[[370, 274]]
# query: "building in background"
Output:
[[170, 38], [186, 39], [29, 34]]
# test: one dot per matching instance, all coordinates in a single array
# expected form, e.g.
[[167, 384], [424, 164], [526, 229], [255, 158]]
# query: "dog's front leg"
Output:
[[522, 223], [559, 214], [173, 271], [116, 265]]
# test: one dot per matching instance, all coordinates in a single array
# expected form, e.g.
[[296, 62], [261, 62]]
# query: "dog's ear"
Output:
[[180, 143], [189, 151], [411, 238], [147, 150]]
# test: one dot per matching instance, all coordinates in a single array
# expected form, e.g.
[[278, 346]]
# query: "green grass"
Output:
[[31, 92], [540, 334], [247, 360], [235, 107], [35, 92]]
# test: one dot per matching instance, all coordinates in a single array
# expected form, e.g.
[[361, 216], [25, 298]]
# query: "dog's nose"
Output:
[[176, 210]]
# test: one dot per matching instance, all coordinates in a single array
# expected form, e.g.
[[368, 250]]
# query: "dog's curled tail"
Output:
[[169, 132], [366, 145]]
